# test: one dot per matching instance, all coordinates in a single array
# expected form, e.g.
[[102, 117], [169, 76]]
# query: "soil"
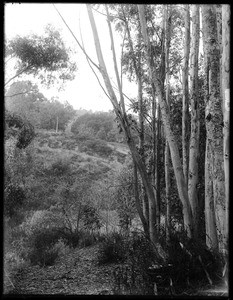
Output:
[[76, 274]]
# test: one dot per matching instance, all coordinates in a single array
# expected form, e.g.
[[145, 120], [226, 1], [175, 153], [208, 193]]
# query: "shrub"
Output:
[[191, 261], [91, 220], [87, 238], [96, 146], [112, 249], [13, 266], [71, 238], [59, 167], [42, 249], [14, 199], [133, 277]]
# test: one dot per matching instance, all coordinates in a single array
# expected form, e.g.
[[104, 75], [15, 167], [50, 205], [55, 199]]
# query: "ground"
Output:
[[77, 273]]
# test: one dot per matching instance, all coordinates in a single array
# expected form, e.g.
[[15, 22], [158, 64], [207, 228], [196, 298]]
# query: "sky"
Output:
[[84, 91]]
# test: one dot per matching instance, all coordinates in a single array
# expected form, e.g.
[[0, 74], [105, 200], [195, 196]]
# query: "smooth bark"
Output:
[[167, 25], [195, 118], [185, 99]]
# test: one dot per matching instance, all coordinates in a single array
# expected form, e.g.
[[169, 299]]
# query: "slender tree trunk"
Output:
[[214, 121], [210, 217], [158, 155], [226, 102], [138, 205], [137, 68], [141, 140], [185, 107], [57, 125], [167, 23], [155, 157], [176, 162], [218, 13], [195, 118]]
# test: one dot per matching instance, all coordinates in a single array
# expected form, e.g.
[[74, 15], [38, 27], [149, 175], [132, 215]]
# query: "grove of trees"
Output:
[[153, 56]]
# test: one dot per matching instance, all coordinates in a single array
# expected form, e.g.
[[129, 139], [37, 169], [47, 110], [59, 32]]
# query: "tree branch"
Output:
[[115, 62], [22, 71], [76, 38]]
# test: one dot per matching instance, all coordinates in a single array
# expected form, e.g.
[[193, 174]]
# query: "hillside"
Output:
[[61, 159], [70, 145]]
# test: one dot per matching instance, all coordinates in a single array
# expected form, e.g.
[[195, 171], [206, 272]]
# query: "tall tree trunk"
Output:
[[154, 158], [195, 118], [218, 13], [214, 121], [167, 23], [158, 155], [176, 162], [226, 102], [137, 68], [141, 144], [185, 106]]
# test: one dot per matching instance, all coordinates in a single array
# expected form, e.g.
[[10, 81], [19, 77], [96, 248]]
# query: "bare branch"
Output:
[[76, 38], [115, 62], [90, 64]]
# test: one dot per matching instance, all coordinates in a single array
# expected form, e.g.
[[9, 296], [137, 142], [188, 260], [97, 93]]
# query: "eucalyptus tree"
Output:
[[167, 34], [226, 101], [185, 85], [214, 169], [195, 117]]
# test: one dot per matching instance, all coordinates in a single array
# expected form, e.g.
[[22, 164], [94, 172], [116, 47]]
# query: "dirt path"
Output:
[[77, 273]]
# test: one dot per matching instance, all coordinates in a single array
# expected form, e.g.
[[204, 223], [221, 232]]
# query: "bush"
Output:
[[71, 238], [191, 261], [112, 249], [133, 278], [96, 146], [42, 249], [60, 167], [190, 265], [14, 199], [87, 238], [13, 266]]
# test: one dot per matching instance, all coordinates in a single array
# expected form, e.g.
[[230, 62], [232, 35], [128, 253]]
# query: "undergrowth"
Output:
[[190, 265]]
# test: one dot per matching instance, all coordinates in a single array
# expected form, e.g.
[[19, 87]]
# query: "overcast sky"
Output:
[[83, 91]]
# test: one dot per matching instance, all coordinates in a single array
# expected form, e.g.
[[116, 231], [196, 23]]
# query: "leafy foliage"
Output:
[[25, 129], [42, 53]]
